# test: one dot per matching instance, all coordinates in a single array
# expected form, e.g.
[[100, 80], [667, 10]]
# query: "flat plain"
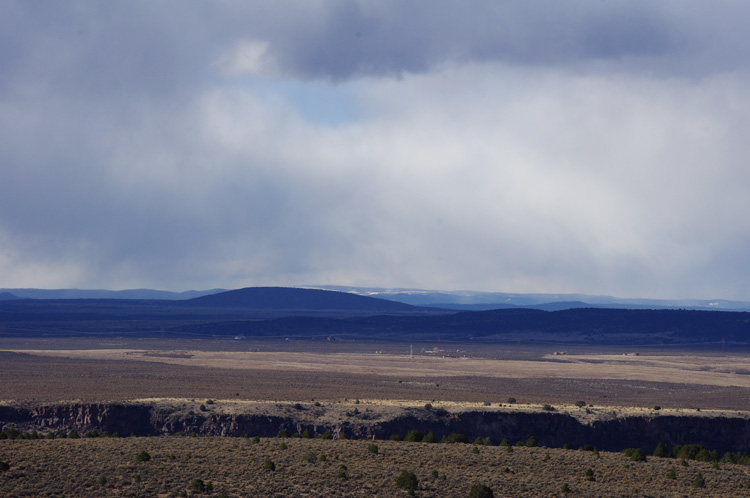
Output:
[[52, 370]]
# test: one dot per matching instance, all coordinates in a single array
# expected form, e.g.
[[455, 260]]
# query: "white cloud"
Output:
[[434, 160], [247, 57]]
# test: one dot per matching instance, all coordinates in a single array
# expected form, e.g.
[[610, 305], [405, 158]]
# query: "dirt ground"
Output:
[[42, 370]]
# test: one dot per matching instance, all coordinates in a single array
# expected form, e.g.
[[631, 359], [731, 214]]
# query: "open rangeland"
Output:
[[41, 370], [187, 466]]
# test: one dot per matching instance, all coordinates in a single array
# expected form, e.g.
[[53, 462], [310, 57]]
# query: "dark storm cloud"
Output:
[[389, 38], [153, 49]]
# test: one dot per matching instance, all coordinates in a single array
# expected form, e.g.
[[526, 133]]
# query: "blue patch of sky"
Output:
[[316, 102]]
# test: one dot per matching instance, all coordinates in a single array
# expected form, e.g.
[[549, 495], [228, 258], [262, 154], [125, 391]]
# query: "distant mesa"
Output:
[[290, 298]]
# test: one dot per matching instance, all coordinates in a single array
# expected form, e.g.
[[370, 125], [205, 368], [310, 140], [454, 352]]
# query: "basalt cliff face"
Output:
[[554, 429]]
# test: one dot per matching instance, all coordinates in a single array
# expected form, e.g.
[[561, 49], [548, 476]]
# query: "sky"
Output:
[[585, 146]]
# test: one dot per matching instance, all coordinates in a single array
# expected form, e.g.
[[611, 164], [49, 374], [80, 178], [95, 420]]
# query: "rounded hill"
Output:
[[290, 298]]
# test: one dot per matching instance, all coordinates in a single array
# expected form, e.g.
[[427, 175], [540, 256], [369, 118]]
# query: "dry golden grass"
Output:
[[694, 369], [41, 370], [51, 468]]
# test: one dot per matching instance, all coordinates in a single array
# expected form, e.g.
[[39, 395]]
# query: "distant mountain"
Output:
[[7, 296], [555, 306], [314, 313], [106, 294], [453, 300], [290, 298], [473, 300]]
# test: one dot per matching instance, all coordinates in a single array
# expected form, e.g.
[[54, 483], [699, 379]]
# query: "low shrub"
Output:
[[200, 486], [481, 491], [429, 438], [661, 451], [414, 436], [407, 480], [454, 438], [635, 454], [325, 435], [143, 456], [698, 481]]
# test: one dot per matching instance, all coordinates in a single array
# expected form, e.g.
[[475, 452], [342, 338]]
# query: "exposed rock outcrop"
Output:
[[554, 429]]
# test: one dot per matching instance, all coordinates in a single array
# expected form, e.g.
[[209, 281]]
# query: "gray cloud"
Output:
[[394, 37], [577, 146], [351, 39]]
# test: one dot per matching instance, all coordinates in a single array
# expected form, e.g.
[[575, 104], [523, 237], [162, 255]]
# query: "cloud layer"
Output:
[[593, 147]]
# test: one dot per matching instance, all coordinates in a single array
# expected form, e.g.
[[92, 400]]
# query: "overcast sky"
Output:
[[591, 146]]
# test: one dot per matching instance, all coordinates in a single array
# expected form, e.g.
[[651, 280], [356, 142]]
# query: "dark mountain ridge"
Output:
[[583, 326], [289, 312], [477, 300], [290, 298]]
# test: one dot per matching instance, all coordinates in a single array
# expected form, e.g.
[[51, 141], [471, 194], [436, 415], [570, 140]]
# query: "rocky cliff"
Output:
[[606, 430]]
